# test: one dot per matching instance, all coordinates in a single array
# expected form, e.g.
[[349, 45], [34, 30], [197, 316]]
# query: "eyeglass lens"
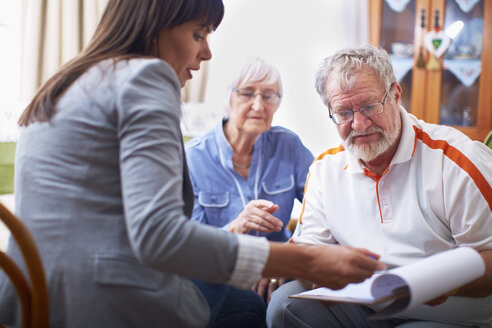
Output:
[[249, 95], [347, 115]]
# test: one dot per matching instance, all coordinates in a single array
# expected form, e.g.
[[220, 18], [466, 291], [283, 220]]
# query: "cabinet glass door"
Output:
[[397, 38], [462, 63]]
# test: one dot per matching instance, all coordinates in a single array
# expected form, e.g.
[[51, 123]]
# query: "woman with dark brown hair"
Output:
[[102, 183]]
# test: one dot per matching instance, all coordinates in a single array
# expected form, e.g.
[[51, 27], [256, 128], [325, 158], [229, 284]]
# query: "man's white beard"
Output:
[[368, 152]]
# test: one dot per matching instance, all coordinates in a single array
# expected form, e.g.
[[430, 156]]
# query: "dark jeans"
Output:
[[232, 307]]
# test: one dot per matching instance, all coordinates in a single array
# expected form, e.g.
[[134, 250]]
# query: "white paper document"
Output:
[[408, 285]]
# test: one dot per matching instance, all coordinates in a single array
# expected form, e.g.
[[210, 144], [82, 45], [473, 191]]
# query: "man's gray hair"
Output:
[[345, 63]]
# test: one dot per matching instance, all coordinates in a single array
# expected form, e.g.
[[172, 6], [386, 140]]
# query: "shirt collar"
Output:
[[407, 141], [353, 164]]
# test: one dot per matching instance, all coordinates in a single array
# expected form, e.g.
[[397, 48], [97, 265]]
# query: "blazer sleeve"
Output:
[[151, 164]]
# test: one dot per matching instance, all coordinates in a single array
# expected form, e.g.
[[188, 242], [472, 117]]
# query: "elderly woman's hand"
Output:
[[266, 286], [257, 215]]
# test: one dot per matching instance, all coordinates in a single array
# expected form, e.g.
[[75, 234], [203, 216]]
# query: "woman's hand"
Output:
[[257, 215], [328, 266], [266, 286], [346, 264]]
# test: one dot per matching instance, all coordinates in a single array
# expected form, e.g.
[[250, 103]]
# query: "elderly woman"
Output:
[[245, 171]]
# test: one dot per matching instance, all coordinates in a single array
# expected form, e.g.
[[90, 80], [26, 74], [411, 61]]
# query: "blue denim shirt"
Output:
[[277, 173]]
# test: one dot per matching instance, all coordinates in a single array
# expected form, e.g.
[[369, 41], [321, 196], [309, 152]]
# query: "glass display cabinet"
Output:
[[453, 87]]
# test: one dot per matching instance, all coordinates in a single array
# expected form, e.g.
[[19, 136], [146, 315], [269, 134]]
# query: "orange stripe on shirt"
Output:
[[376, 178], [330, 151], [303, 200], [461, 160]]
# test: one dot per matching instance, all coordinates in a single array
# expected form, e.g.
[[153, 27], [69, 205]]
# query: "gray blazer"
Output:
[[104, 189]]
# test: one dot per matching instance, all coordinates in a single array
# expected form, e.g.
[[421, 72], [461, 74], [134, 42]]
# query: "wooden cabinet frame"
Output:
[[426, 84]]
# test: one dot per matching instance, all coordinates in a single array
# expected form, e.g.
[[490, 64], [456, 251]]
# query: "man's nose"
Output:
[[360, 122]]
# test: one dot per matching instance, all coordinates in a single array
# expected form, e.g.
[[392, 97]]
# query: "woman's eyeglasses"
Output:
[[247, 95]]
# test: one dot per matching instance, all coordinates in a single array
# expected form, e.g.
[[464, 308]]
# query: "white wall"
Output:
[[295, 36], [10, 105]]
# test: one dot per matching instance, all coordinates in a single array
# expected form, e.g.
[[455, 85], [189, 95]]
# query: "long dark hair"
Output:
[[126, 30]]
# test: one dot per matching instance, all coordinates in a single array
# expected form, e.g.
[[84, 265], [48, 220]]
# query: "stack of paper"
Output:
[[408, 285]]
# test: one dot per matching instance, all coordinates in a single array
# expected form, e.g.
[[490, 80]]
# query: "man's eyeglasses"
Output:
[[344, 116], [248, 95]]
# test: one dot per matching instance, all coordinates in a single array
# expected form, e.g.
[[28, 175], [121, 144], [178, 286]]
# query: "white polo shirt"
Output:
[[435, 195]]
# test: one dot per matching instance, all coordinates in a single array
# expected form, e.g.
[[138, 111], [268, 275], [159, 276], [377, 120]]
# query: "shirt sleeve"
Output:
[[312, 227], [468, 196], [151, 164]]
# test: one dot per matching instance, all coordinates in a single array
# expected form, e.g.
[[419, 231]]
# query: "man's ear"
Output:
[[397, 95]]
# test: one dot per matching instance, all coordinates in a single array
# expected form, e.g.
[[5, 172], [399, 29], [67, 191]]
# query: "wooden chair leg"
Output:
[[17, 277], [38, 302]]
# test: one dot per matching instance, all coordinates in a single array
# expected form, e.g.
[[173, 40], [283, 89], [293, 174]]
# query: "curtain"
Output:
[[53, 32], [194, 90], [355, 22]]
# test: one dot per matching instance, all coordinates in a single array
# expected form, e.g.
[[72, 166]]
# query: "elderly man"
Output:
[[398, 186]]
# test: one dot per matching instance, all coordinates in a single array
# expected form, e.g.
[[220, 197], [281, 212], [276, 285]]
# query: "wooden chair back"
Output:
[[32, 292]]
